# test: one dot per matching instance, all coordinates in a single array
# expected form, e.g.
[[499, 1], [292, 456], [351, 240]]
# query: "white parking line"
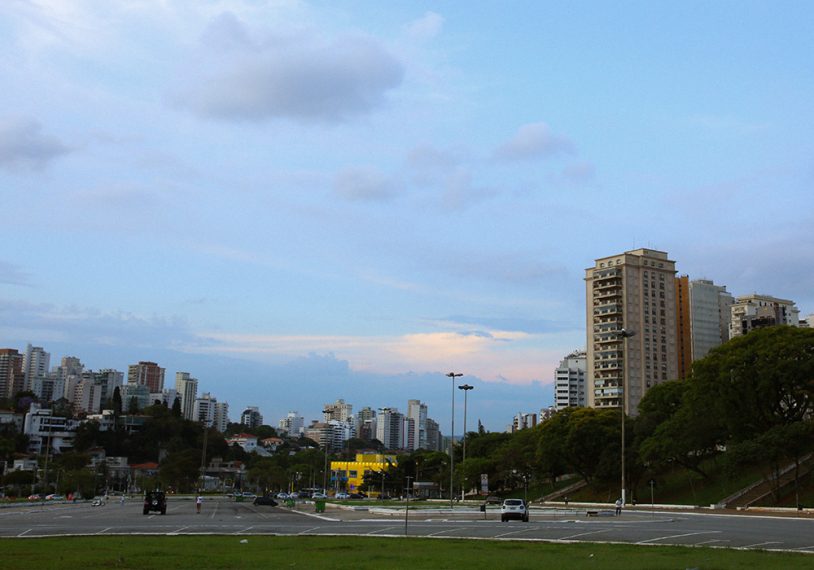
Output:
[[585, 534], [513, 532], [245, 529], [710, 541], [678, 536], [309, 530], [104, 530], [174, 532], [25, 532], [383, 529], [443, 531], [760, 544]]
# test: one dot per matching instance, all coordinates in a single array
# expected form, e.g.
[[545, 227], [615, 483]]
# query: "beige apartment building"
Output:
[[634, 291]]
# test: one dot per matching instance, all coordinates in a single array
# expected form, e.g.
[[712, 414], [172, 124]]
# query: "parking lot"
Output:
[[226, 516]]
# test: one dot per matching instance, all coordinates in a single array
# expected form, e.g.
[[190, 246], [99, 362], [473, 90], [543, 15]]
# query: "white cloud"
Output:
[[364, 184], [532, 141], [426, 27], [23, 145], [297, 74]]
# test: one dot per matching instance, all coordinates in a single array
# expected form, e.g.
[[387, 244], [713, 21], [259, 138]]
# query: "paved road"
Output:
[[227, 517]]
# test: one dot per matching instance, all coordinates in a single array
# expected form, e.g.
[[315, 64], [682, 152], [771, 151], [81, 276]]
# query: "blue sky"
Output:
[[302, 201]]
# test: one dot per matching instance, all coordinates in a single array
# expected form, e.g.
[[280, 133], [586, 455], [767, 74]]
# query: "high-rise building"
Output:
[[632, 292], [251, 417], [756, 311], [390, 428], [35, 365], [523, 421], [710, 310], [204, 410], [293, 424], [569, 384], [12, 377], [221, 416], [683, 326], [147, 374], [70, 366], [417, 412], [187, 389], [434, 436], [339, 411]]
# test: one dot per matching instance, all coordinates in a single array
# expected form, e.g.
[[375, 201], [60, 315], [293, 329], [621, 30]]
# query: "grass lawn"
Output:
[[360, 553]]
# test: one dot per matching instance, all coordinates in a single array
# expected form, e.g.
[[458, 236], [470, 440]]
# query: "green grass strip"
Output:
[[361, 553]]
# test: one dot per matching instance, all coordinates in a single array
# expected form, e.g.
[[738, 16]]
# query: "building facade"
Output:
[[12, 377], [251, 417], [632, 293], [756, 311], [147, 374], [187, 389], [569, 382], [710, 310], [35, 366]]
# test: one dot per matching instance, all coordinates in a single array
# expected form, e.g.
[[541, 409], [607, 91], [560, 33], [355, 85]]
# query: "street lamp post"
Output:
[[625, 335], [325, 467], [452, 376], [466, 388]]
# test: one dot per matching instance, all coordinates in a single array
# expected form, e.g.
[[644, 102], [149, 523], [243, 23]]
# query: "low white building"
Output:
[[46, 430]]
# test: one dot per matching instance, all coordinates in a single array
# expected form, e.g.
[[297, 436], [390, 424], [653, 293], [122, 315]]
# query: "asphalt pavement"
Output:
[[225, 516]]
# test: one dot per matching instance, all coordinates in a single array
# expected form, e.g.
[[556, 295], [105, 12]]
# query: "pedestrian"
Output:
[[618, 507], [198, 502], [121, 501]]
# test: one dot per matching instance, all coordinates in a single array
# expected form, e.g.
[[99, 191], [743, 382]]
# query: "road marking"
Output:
[[443, 531], [678, 536], [383, 529], [760, 544], [585, 533], [104, 530], [25, 532], [513, 532], [710, 541], [804, 547], [174, 532], [309, 530], [245, 529]]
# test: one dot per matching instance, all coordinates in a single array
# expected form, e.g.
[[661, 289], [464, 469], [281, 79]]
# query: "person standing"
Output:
[[198, 502], [618, 507]]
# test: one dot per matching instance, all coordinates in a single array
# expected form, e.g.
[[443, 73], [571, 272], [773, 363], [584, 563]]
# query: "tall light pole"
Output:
[[325, 467], [466, 388], [625, 335], [452, 376]]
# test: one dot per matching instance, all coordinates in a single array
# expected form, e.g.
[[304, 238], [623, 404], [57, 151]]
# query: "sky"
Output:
[[303, 201]]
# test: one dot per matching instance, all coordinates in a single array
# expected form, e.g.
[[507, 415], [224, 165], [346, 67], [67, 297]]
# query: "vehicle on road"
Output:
[[358, 496], [155, 501], [516, 509], [35, 497], [249, 495], [319, 496], [342, 496], [281, 496], [265, 500]]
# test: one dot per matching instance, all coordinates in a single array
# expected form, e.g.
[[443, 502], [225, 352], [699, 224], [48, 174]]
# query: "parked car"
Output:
[[493, 500], [342, 496], [319, 496], [265, 500], [282, 496], [35, 497], [514, 509], [54, 497], [249, 495], [155, 501], [358, 496]]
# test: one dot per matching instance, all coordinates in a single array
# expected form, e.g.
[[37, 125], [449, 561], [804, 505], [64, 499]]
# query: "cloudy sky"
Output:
[[303, 201]]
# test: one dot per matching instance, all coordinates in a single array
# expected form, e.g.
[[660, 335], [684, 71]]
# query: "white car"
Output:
[[342, 496], [319, 496], [514, 509]]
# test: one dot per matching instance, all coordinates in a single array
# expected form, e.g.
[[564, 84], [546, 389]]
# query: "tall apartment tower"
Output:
[[569, 384], [417, 412], [204, 410], [683, 326], [293, 424], [147, 374], [35, 365], [186, 387], [633, 291], [390, 428], [251, 417], [756, 311], [12, 377], [221, 416], [710, 310], [339, 411]]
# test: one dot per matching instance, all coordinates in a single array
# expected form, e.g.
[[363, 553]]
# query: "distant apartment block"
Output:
[[147, 374], [204, 409], [220, 419], [523, 421], [339, 411], [187, 389], [390, 428], [710, 309], [417, 413], [12, 377], [569, 382], [251, 417], [634, 292], [756, 311], [35, 366], [293, 424]]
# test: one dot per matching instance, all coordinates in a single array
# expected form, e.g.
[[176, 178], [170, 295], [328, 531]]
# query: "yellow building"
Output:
[[349, 475]]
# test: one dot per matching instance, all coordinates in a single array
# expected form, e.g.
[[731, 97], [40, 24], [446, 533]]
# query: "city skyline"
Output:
[[296, 198]]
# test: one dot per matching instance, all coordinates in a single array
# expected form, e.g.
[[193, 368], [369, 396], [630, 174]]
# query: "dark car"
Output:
[[268, 501], [155, 501], [358, 496]]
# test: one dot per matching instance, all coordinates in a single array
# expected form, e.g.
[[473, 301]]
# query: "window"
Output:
[[354, 474]]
